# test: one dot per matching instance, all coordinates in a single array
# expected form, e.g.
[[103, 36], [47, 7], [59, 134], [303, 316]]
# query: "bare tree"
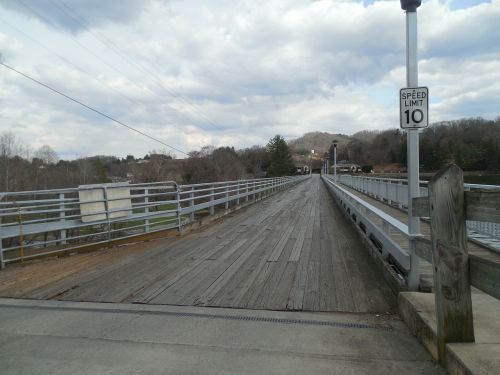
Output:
[[10, 147], [47, 155]]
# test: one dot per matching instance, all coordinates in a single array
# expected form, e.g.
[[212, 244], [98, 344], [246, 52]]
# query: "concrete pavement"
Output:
[[56, 337], [480, 357]]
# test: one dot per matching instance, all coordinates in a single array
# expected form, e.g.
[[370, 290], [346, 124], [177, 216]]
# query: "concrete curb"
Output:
[[482, 357]]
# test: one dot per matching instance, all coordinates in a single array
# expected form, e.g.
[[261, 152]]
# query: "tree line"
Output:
[[472, 143], [22, 168]]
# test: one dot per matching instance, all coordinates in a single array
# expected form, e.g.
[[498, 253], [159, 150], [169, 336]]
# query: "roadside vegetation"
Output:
[[473, 144]]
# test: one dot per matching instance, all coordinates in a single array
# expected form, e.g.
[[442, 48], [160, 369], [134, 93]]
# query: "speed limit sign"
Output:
[[414, 107]]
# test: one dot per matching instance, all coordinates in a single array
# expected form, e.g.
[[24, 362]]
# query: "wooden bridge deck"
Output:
[[292, 251]]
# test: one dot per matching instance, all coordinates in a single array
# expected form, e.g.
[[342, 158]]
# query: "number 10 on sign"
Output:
[[414, 107]]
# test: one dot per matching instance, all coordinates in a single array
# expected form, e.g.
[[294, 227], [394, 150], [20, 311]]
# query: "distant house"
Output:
[[345, 166], [302, 169]]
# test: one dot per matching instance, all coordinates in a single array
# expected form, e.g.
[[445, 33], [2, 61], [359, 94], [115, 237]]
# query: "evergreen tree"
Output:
[[280, 158]]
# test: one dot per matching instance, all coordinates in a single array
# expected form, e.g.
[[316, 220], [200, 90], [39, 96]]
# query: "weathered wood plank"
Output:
[[214, 267], [480, 205], [420, 207], [451, 266], [483, 205], [423, 248], [485, 275]]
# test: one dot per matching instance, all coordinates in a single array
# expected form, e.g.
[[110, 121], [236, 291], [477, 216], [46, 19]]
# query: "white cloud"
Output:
[[237, 72]]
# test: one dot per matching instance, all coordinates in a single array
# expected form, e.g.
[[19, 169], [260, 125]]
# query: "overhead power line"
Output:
[[95, 78], [110, 66], [73, 14], [92, 109]]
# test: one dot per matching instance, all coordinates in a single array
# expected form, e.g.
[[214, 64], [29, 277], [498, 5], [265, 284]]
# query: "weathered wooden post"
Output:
[[450, 259]]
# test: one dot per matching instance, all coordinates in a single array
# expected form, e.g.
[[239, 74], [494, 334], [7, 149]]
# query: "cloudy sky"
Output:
[[226, 72]]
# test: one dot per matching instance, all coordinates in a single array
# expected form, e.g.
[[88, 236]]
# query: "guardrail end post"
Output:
[[212, 192], [191, 204], [179, 209], [146, 209], [450, 259]]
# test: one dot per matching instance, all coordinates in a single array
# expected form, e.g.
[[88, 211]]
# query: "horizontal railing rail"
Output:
[[395, 192], [480, 205], [44, 222], [377, 226]]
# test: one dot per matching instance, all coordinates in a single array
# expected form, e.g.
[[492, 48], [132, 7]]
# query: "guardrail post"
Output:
[[387, 192], [146, 209], [226, 205], [106, 208], [212, 192], [2, 263], [238, 194], [398, 190], [450, 259], [246, 192], [191, 204], [62, 214], [179, 208], [253, 189]]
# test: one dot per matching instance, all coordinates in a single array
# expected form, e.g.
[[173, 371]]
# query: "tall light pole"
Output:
[[311, 162], [335, 161], [412, 135]]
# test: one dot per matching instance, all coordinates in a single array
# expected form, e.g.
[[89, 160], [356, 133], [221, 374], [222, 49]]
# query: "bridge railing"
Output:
[[395, 192], [48, 222], [377, 226], [393, 241]]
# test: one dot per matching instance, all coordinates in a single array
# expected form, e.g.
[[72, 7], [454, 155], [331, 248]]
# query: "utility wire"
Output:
[[81, 69], [91, 108], [119, 72], [119, 52]]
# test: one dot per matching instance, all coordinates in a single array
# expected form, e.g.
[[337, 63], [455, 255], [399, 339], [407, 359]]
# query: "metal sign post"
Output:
[[410, 6]]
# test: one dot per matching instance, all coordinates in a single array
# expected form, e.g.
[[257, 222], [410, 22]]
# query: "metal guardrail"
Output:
[[395, 192], [45, 222], [377, 226]]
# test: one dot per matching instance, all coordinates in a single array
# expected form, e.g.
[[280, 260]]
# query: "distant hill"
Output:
[[318, 141]]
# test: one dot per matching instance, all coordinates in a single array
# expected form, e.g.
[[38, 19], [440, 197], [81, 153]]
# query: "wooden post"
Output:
[[450, 259]]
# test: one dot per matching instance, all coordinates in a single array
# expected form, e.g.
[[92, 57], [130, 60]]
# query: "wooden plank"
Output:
[[311, 293], [485, 275], [480, 205], [423, 248], [296, 294], [281, 244], [420, 207], [483, 205], [451, 267], [219, 283], [299, 243], [274, 294]]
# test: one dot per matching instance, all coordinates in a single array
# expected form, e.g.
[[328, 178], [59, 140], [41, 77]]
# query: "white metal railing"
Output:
[[44, 222], [379, 228], [395, 192]]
